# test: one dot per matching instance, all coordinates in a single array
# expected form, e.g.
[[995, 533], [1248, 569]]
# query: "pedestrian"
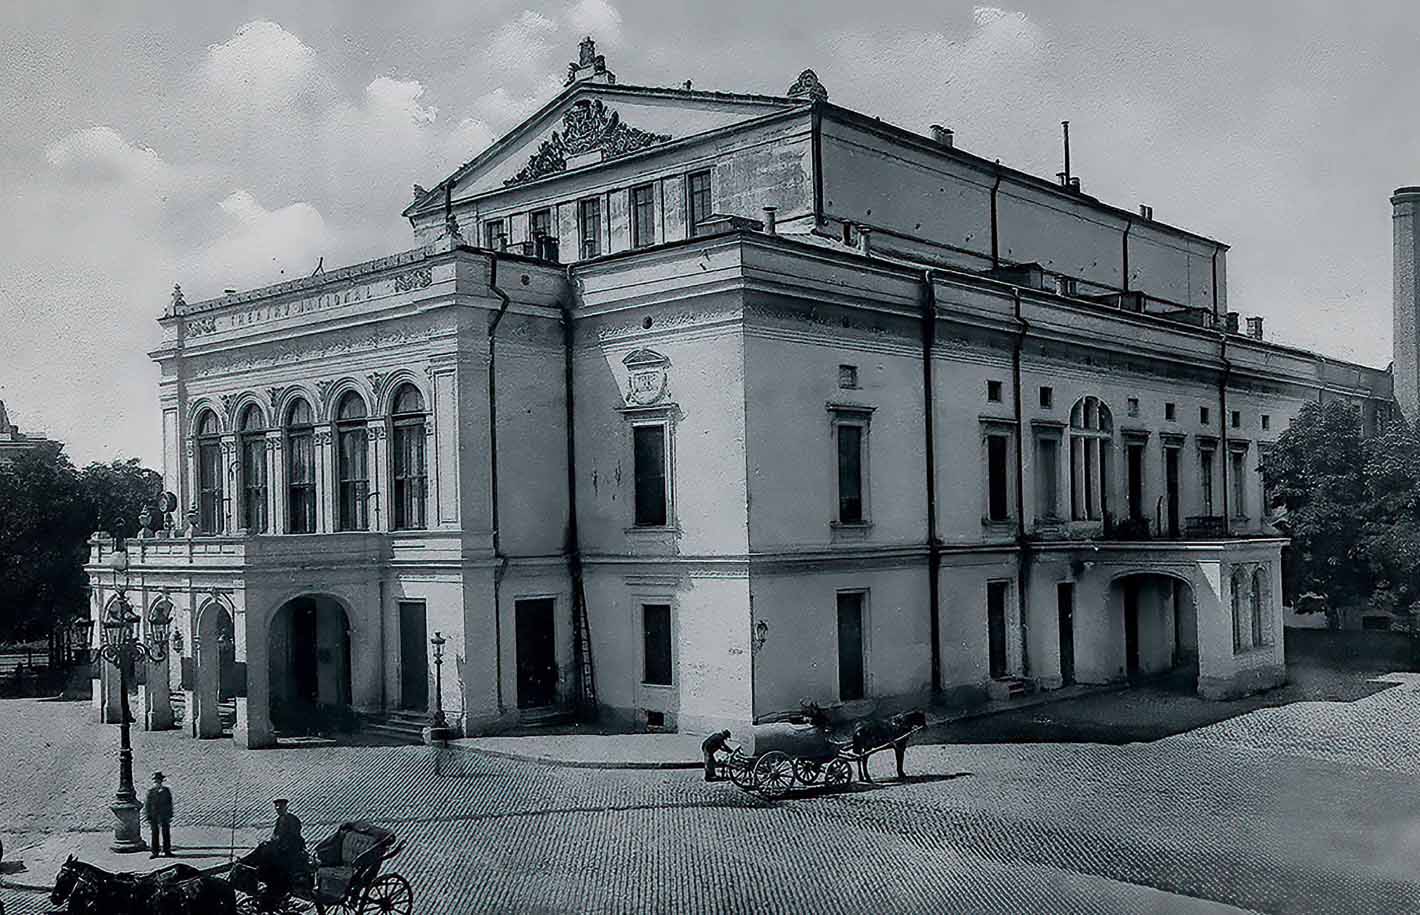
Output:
[[158, 811], [712, 745]]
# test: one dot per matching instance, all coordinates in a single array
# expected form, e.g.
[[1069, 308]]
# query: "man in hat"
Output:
[[158, 811], [281, 859]]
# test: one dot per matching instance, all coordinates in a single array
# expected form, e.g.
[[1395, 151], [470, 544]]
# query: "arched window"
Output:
[[300, 469], [1091, 451], [352, 464], [253, 442], [1242, 588], [209, 474], [410, 481], [1259, 605]]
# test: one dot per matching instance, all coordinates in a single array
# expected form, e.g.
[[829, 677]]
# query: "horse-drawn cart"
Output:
[[344, 877]]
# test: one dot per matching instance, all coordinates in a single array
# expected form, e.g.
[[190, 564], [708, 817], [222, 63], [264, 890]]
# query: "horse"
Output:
[[199, 894], [872, 734], [91, 890]]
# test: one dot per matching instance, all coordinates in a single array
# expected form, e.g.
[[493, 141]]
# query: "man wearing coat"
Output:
[[158, 811]]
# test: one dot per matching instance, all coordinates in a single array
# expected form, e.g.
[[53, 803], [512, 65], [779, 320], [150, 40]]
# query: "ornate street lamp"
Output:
[[438, 641], [122, 645]]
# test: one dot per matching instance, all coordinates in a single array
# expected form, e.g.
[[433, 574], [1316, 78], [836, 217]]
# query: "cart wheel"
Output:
[[838, 773], [774, 774], [741, 770], [807, 771], [389, 893]]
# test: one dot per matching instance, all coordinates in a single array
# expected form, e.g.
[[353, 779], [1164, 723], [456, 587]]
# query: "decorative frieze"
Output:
[[296, 351], [588, 126]]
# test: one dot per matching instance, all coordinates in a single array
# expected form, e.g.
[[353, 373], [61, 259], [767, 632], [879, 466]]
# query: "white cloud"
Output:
[[261, 68], [596, 18], [258, 246], [101, 155]]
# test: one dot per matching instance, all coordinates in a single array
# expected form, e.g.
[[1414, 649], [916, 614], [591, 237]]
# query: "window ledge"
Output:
[[651, 530], [664, 686], [998, 524], [850, 530]]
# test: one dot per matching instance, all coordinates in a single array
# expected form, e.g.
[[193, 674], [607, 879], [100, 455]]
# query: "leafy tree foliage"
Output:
[[47, 512], [1353, 507]]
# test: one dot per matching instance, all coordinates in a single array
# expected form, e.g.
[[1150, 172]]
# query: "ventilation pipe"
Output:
[[769, 224], [943, 136], [1254, 327], [865, 245]]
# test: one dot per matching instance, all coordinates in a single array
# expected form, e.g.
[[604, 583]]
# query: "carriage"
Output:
[[343, 878], [799, 750]]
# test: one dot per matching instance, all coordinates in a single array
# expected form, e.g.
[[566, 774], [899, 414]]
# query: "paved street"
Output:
[[1306, 808]]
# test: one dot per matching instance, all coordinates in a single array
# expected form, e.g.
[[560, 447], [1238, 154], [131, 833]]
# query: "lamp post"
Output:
[[121, 644], [438, 642]]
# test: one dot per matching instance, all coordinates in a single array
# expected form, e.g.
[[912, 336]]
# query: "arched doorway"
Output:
[[1158, 621], [309, 664], [216, 678]]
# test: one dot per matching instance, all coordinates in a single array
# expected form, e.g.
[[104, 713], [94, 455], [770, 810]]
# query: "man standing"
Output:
[[158, 811], [713, 744]]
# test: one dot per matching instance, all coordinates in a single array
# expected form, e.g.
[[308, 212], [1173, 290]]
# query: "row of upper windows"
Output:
[[1047, 402], [642, 204]]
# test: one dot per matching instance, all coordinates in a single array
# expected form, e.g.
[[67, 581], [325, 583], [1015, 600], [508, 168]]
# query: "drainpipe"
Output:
[[1129, 225], [934, 550], [1223, 428], [573, 541], [995, 239], [493, 466], [1022, 543]]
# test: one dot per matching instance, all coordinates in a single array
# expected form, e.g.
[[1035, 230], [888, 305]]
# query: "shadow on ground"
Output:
[[1155, 710]]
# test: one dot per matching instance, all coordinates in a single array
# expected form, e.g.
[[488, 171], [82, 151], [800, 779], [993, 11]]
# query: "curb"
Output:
[[562, 763]]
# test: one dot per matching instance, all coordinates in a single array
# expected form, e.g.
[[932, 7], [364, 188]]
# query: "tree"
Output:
[[44, 525], [1390, 522], [117, 493], [1317, 472]]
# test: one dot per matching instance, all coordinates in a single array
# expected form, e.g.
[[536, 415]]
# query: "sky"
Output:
[[233, 145]]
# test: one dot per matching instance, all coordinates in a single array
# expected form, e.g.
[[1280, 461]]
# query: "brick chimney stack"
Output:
[[1406, 347]]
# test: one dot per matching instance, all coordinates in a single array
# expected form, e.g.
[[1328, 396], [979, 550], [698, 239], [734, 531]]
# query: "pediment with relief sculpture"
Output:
[[588, 126]]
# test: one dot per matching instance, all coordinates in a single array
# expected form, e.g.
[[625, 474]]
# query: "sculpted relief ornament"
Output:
[[645, 377], [589, 125]]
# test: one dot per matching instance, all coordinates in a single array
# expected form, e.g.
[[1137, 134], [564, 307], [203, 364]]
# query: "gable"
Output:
[[591, 123]]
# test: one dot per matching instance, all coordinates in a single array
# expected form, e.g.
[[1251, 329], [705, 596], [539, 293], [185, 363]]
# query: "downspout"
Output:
[[493, 467], [934, 549], [1022, 542], [573, 546], [995, 237], [1223, 429]]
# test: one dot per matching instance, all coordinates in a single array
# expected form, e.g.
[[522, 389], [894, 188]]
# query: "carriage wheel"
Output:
[[390, 893], [838, 773], [807, 771], [774, 774], [741, 770]]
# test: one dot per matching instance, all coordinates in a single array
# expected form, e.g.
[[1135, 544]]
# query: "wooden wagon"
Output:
[[344, 877]]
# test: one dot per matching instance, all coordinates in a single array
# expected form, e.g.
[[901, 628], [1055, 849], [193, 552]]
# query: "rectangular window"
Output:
[[649, 455], [1047, 398], [848, 377], [656, 633], [254, 483], [589, 224], [643, 216], [1134, 454], [1205, 468], [540, 223], [1203, 415], [1170, 412], [1239, 483], [993, 391], [494, 234], [996, 593], [1133, 405], [850, 474], [998, 508], [1266, 422], [699, 199], [301, 482], [850, 646], [410, 482], [1236, 419], [1047, 470]]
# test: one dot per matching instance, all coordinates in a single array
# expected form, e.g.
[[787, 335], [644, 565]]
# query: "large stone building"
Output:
[[695, 404], [13, 442]]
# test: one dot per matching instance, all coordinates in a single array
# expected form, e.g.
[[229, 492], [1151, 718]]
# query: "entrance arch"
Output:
[[1158, 625], [309, 666], [215, 676]]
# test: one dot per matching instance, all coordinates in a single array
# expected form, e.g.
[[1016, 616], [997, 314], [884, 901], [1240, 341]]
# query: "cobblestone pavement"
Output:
[[1306, 808]]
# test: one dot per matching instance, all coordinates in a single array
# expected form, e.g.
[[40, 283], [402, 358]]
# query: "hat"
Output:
[[279, 800], [157, 776]]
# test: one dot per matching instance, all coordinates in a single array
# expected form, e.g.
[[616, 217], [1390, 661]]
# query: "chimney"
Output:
[[1231, 322], [1405, 204], [1254, 327], [865, 246], [942, 136], [1146, 211], [1075, 184], [769, 220]]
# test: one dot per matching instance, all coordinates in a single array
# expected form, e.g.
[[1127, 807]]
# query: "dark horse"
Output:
[[873, 734], [177, 889]]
